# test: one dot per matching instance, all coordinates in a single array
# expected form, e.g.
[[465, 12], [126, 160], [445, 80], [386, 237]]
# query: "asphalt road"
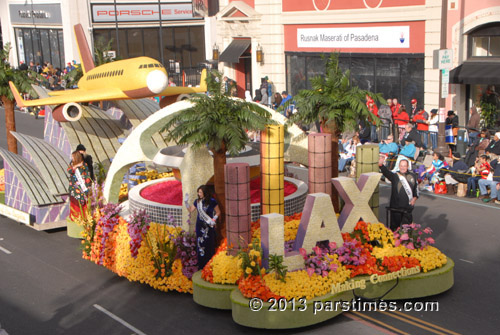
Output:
[[47, 288]]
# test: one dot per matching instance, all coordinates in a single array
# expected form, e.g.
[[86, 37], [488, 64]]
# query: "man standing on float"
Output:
[[404, 193]]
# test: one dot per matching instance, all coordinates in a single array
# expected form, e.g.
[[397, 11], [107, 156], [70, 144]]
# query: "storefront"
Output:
[[382, 57], [480, 72], [38, 33], [134, 29]]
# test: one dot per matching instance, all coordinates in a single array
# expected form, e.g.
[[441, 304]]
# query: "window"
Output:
[[41, 45], [398, 76], [485, 41]]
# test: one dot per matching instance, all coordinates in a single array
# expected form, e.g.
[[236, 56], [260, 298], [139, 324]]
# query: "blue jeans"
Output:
[[472, 185], [483, 183], [434, 139], [384, 131], [472, 137], [373, 134], [343, 163], [423, 136]]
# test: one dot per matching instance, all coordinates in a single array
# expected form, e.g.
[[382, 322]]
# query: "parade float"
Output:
[[291, 265], [279, 271]]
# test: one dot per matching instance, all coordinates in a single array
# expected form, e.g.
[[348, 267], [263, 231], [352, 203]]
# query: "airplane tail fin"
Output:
[[83, 49], [203, 80], [19, 99]]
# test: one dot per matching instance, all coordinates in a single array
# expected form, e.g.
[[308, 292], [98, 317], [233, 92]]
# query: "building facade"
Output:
[[388, 45]]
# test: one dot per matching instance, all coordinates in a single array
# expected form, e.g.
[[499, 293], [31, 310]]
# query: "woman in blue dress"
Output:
[[208, 213]]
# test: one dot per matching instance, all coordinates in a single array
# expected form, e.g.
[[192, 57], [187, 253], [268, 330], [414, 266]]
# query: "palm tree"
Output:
[[219, 122], [22, 80], [336, 104]]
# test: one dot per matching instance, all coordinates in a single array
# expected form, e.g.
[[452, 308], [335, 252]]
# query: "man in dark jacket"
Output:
[[87, 159], [404, 193], [492, 184], [412, 135]]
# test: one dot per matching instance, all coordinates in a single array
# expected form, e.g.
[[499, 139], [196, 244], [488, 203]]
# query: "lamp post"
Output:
[[442, 147], [215, 52], [259, 54]]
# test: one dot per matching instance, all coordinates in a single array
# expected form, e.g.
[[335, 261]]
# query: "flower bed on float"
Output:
[[170, 192], [151, 252], [164, 257]]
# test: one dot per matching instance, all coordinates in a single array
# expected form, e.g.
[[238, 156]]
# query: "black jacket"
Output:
[[399, 198], [413, 136]]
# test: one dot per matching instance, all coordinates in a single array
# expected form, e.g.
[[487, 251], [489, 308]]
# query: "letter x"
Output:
[[356, 197]]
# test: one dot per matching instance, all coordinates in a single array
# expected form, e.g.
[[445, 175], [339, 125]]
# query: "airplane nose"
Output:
[[156, 81]]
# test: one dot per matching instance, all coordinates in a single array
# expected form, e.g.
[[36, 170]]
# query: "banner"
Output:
[[354, 37]]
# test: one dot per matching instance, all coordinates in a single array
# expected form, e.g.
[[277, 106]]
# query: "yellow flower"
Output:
[[248, 270], [252, 263]]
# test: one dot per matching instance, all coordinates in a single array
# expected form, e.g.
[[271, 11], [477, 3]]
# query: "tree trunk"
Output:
[[220, 191], [10, 124], [333, 130]]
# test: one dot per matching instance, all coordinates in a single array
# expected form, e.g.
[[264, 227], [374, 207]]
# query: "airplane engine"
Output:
[[165, 101], [69, 112]]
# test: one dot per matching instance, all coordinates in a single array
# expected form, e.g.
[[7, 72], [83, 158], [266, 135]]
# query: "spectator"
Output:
[[412, 135], [477, 148], [364, 132], [258, 96], [385, 115], [269, 89], [414, 108], [406, 153], [388, 146], [349, 152], [263, 90], [493, 149], [401, 118], [171, 82], [285, 103], [481, 171], [372, 107], [432, 173], [492, 183], [433, 128], [420, 118], [23, 66], [248, 96], [473, 125], [277, 100], [456, 173], [452, 120]]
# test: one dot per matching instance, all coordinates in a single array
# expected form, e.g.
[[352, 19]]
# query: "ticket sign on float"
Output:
[[356, 37]]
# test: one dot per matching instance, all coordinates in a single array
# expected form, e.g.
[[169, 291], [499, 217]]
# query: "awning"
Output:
[[476, 72], [234, 51]]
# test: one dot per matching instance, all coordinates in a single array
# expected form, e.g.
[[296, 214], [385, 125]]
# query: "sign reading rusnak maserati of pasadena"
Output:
[[354, 37], [141, 12]]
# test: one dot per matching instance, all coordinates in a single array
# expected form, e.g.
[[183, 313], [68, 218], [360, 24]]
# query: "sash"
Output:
[[406, 187], [203, 215], [80, 180]]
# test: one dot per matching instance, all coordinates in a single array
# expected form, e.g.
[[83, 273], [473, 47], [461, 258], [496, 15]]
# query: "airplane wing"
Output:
[[77, 95]]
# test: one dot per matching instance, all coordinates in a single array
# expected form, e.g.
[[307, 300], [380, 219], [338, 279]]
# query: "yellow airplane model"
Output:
[[134, 78]]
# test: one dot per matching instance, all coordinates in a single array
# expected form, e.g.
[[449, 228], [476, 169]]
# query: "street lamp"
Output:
[[259, 54], [215, 52]]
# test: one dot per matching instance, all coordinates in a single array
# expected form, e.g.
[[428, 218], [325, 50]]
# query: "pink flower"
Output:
[[332, 245], [333, 267], [410, 246], [317, 250], [404, 237], [397, 243], [303, 252], [427, 230], [324, 273], [430, 240], [310, 271]]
